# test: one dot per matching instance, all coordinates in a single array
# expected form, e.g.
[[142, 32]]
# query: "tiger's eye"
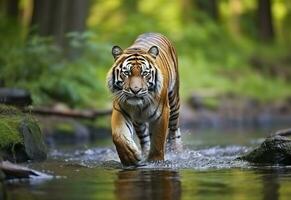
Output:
[[126, 73], [145, 73]]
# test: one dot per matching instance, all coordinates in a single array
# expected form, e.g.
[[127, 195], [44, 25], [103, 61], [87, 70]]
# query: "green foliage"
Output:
[[212, 57], [38, 65]]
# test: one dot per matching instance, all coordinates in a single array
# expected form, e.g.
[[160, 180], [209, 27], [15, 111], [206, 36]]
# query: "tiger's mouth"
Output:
[[134, 100]]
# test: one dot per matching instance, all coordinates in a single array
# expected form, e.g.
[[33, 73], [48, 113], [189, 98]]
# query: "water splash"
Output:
[[214, 157]]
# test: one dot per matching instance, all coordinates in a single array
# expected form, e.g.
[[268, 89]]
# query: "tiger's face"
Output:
[[134, 78]]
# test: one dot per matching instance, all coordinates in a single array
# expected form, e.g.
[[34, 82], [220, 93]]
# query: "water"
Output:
[[206, 169]]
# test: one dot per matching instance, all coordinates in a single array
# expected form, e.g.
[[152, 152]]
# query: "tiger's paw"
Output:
[[128, 153]]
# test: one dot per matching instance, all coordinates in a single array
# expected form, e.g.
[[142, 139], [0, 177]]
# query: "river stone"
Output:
[[20, 136], [35, 147], [276, 149]]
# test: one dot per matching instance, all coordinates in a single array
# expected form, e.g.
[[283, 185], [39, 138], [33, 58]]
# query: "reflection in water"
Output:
[[271, 185], [148, 184], [2, 192], [205, 171]]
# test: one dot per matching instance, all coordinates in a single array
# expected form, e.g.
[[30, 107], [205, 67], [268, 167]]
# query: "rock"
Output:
[[196, 102], [276, 149], [69, 132], [15, 96], [33, 139], [20, 136]]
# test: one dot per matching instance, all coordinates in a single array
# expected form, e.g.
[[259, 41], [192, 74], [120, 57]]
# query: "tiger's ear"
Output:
[[116, 51], [154, 51]]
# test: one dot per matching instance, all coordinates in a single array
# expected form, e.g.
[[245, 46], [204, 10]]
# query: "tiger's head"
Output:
[[134, 78]]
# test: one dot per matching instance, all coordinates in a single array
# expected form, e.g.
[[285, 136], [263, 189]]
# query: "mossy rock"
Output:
[[276, 149], [20, 136]]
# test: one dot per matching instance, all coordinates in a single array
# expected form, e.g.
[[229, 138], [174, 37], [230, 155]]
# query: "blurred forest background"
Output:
[[60, 50]]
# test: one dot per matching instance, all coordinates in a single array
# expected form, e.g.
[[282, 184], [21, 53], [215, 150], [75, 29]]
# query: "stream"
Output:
[[206, 169]]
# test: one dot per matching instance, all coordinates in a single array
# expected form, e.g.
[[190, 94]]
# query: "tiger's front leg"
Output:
[[122, 135], [159, 131]]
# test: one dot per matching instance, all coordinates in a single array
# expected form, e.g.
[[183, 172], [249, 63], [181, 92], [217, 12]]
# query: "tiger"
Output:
[[144, 82]]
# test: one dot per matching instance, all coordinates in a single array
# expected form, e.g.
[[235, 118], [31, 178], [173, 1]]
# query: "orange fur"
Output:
[[144, 80]]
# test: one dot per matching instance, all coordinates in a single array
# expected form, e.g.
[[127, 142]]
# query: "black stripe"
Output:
[[175, 117], [130, 59], [143, 136], [113, 76], [126, 123], [175, 110], [159, 116], [142, 129], [171, 98], [155, 112], [170, 93], [144, 142], [156, 78], [173, 129], [173, 104], [175, 137], [129, 128]]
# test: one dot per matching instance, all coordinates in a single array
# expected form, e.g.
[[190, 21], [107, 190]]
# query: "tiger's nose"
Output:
[[135, 90]]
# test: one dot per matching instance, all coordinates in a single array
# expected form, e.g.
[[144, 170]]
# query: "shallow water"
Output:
[[206, 169]]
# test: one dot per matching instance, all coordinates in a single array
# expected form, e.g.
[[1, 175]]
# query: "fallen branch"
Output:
[[16, 171], [81, 114]]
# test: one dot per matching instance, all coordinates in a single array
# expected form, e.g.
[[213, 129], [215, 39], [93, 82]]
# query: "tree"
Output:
[[210, 7], [10, 8], [56, 18], [265, 23]]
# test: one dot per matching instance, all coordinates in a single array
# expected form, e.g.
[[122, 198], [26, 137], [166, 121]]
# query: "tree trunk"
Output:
[[265, 24], [12, 8], [56, 18], [129, 6], [40, 21], [187, 9], [210, 7], [9, 8]]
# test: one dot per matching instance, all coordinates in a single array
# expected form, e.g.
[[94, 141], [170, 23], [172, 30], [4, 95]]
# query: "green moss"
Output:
[[9, 131], [20, 136]]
